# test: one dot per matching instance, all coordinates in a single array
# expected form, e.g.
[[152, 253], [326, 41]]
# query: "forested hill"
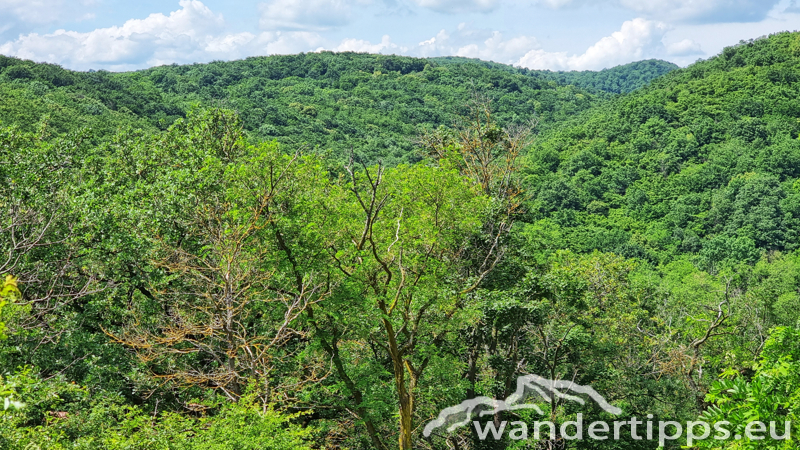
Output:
[[703, 162], [373, 104], [616, 80], [174, 278]]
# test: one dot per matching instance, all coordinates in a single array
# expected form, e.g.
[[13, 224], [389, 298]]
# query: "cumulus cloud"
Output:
[[705, 11], [685, 47], [697, 11], [362, 46], [44, 11], [191, 34], [498, 49], [794, 7], [156, 38], [476, 43], [436, 45], [458, 6], [637, 39], [194, 33], [283, 43], [313, 15], [17, 15], [557, 4]]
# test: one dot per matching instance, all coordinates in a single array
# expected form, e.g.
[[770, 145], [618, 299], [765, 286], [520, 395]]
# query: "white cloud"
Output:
[[476, 43], [283, 43], [362, 46], [44, 11], [229, 43], [698, 11], [191, 34], [637, 39], [703, 10], [435, 46], [499, 50], [458, 6], [155, 39], [17, 16], [195, 33], [557, 4], [685, 47], [313, 15]]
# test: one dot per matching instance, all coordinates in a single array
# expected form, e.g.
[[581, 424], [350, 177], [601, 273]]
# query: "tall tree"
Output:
[[220, 304]]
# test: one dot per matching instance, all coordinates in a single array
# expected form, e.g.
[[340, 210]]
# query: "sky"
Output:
[[537, 34]]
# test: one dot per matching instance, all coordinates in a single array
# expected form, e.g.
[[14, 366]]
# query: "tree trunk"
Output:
[[406, 410], [332, 349], [405, 394]]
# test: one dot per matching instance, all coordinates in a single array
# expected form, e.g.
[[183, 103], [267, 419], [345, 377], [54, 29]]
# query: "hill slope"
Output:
[[616, 80], [373, 104], [705, 162], [173, 285]]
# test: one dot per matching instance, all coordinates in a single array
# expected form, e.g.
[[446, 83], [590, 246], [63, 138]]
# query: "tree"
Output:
[[221, 304], [771, 396], [413, 243], [567, 320], [402, 235], [37, 224], [8, 292]]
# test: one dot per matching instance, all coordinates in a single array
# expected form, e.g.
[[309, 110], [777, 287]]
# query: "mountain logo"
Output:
[[528, 386]]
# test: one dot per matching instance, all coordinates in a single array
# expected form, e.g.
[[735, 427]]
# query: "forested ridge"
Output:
[[616, 80], [371, 104], [334, 102], [326, 250]]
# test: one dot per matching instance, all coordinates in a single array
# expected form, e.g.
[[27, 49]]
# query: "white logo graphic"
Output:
[[527, 386]]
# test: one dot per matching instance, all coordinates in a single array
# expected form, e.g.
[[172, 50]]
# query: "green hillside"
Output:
[[616, 80], [704, 162], [192, 258], [69, 100], [372, 104]]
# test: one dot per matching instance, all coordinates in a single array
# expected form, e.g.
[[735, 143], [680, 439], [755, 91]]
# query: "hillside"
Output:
[[70, 100], [372, 104], [616, 80], [191, 261], [703, 162]]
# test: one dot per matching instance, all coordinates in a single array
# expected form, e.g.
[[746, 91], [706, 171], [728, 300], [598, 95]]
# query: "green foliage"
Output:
[[9, 289], [616, 80], [82, 420], [335, 103], [198, 276], [700, 162], [8, 394], [770, 396], [8, 292]]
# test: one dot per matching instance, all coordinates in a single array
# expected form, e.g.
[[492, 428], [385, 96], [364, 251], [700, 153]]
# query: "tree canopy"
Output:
[[327, 250]]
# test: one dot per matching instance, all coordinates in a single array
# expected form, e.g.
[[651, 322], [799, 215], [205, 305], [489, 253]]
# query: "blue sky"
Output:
[[538, 34]]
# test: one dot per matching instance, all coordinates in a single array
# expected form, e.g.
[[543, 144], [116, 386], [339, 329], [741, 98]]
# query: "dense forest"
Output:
[[327, 102], [616, 80], [326, 250]]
